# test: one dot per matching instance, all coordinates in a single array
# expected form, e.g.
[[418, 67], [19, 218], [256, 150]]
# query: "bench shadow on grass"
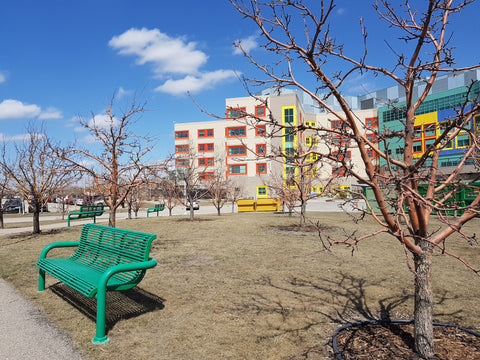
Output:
[[121, 305]]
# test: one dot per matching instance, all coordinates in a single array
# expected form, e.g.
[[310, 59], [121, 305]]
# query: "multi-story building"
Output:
[[244, 149]]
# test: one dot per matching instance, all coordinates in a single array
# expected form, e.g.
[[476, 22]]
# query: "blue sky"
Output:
[[60, 60]]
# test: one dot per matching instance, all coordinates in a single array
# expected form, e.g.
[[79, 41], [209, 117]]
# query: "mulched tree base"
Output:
[[372, 341]]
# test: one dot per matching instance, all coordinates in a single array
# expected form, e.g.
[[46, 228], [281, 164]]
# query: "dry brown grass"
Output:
[[238, 287]]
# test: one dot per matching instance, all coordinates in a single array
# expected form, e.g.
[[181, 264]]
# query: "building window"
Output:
[[337, 124], [311, 123], [372, 154], [261, 168], [261, 149], [181, 134], [340, 140], [260, 130], [417, 132], [311, 157], [206, 162], [240, 131], [237, 169], [463, 141], [339, 171], [372, 138], [429, 130], [181, 148], [262, 191], [259, 111], [310, 141], [369, 122], [237, 150], [344, 155], [206, 147], [417, 147], [236, 113], [289, 116], [181, 162], [205, 133], [476, 124], [206, 176]]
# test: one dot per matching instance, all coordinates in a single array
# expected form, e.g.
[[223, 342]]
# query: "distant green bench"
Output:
[[156, 208], [87, 211], [106, 259]]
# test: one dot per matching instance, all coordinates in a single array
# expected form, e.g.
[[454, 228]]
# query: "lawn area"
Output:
[[244, 286]]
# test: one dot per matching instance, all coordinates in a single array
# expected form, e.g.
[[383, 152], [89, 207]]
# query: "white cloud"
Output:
[[248, 44], [14, 109], [195, 83], [166, 54], [50, 113], [20, 137], [171, 57], [122, 92], [2, 78], [103, 121]]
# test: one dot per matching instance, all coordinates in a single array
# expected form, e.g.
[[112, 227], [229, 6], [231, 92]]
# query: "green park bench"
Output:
[[156, 208], [106, 259], [87, 211]]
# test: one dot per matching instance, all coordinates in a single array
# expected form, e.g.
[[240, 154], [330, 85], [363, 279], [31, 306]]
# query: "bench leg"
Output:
[[41, 280], [100, 337]]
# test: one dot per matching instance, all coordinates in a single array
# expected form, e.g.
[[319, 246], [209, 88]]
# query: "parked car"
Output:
[[196, 206], [12, 209]]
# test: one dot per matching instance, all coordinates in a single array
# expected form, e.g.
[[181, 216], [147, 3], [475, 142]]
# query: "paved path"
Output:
[[25, 332]]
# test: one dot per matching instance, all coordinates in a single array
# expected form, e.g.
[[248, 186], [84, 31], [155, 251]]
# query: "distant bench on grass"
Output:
[[87, 211], [157, 208]]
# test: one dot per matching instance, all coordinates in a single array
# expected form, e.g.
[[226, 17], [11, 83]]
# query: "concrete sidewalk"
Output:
[[25, 332]]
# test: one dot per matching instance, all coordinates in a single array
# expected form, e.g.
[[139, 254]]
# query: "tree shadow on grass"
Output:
[[296, 306], [121, 305]]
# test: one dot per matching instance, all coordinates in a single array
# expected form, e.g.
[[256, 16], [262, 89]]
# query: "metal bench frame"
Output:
[[106, 259]]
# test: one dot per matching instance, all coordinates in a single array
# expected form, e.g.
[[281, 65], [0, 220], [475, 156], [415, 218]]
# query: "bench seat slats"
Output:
[[85, 278]]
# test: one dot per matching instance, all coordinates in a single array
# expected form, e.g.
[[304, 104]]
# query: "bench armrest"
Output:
[[144, 265], [51, 246]]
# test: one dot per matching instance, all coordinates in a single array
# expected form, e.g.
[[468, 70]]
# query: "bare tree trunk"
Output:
[[36, 220], [424, 301], [111, 218], [2, 225], [303, 210]]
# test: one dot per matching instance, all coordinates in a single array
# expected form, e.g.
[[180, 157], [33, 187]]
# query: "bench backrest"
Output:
[[88, 208], [102, 247], [159, 206]]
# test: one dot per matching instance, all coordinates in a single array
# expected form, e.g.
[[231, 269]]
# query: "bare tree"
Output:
[[218, 187], [3, 192], [35, 172], [234, 192], [420, 188], [171, 191], [134, 200], [193, 178], [119, 165]]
